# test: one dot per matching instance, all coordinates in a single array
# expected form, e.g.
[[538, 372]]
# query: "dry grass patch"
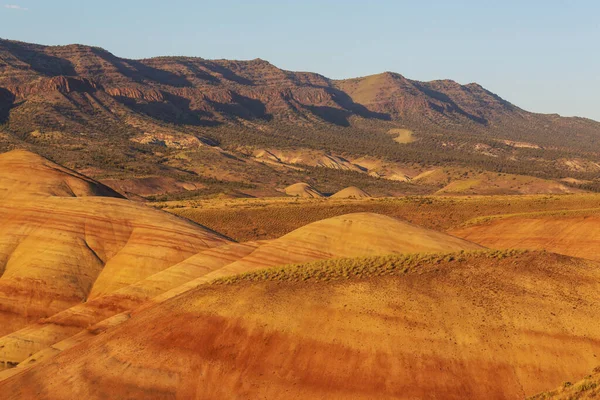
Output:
[[402, 136], [588, 388], [361, 267]]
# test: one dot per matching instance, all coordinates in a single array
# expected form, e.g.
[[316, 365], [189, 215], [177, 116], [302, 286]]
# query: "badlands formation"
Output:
[[102, 297], [63, 241], [500, 327]]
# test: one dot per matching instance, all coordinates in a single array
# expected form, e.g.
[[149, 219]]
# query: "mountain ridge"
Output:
[[86, 108], [312, 79], [259, 60]]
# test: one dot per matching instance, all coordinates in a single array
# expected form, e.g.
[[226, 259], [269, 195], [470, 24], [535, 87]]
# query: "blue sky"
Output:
[[543, 56]]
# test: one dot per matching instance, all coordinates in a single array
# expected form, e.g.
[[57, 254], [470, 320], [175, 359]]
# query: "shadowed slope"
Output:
[[475, 327]]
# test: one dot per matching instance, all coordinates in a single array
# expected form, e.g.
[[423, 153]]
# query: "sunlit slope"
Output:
[[56, 249], [351, 235], [18, 346], [574, 235], [488, 325]]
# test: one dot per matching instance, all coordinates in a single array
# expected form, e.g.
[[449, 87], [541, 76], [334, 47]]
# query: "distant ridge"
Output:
[[87, 108]]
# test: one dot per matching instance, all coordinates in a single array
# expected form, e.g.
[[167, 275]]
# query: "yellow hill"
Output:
[[344, 236], [350, 235], [18, 346]]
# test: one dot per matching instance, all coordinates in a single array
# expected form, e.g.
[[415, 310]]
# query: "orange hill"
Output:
[[344, 236], [57, 250], [577, 236], [487, 325], [25, 343], [24, 173]]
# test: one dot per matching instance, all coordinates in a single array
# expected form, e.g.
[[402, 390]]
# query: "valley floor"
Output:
[[268, 218]]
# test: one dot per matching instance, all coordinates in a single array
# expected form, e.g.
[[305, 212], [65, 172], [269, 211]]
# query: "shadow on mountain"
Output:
[[198, 73], [174, 110], [228, 74], [161, 76], [363, 169], [346, 102], [332, 115], [450, 105], [38, 61], [243, 107], [509, 106], [139, 72], [6, 102]]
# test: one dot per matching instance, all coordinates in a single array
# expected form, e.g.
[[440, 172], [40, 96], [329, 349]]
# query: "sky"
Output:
[[543, 56]]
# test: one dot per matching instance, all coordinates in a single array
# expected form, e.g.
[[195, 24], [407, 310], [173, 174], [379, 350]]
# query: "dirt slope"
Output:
[[19, 345], [476, 327], [588, 388], [577, 236], [344, 236]]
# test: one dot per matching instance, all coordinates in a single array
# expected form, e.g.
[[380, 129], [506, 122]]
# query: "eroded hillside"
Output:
[[503, 325], [62, 241]]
